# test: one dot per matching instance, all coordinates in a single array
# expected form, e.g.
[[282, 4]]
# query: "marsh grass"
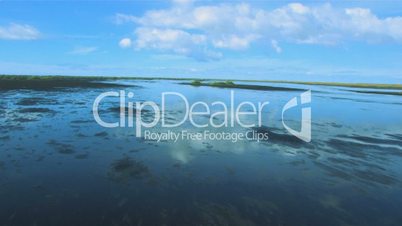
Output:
[[227, 83], [9, 82], [232, 85], [196, 83]]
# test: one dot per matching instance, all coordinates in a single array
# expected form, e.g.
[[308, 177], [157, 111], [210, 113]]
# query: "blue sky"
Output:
[[353, 41]]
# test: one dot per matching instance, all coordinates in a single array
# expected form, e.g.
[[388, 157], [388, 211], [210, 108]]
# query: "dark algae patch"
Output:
[[61, 148], [82, 156], [275, 137], [32, 101], [5, 137], [216, 214], [36, 110], [101, 134], [374, 140], [126, 168], [394, 93], [395, 136]]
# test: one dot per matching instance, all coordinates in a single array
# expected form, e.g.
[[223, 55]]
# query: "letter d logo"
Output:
[[305, 133]]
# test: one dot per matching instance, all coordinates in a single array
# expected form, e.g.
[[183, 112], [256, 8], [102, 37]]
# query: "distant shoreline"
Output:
[[103, 78]]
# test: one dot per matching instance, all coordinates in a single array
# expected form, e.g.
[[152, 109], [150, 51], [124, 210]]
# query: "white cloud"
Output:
[[83, 50], [275, 46], [125, 43], [183, 2], [234, 42], [19, 32], [176, 41], [120, 18], [298, 8], [238, 26]]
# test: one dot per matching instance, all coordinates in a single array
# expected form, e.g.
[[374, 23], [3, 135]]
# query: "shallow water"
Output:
[[59, 167]]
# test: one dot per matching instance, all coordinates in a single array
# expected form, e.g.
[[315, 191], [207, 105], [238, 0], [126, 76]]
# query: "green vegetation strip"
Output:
[[9, 82], [232, 85]]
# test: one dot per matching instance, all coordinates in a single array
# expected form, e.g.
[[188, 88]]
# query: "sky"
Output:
[[339, 41]]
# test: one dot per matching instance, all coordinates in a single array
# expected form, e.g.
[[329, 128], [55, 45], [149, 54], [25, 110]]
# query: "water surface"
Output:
[[59, 167]]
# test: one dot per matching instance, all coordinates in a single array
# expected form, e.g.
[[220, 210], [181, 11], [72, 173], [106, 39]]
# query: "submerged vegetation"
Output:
[[127, 168]]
